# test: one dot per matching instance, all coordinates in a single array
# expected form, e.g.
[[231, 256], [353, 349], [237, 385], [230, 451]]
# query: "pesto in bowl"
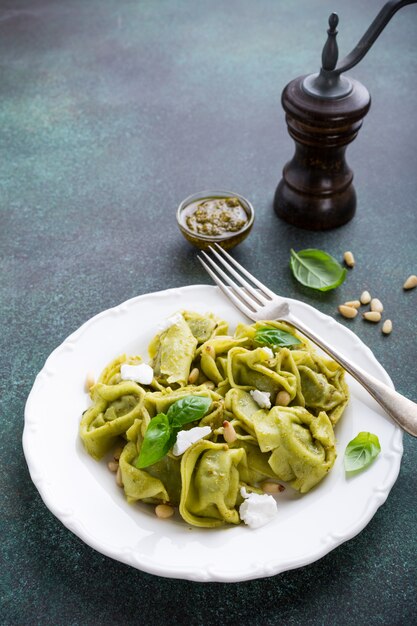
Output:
[[221, 217]]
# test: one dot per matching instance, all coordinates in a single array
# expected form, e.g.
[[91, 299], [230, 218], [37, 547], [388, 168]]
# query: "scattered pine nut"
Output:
[[347, 311], [194, 374], [353, 303], [387, 327], [229, 432], [119, 481], [365, 297], [411, 282], [89, 381], [372, 316], [283, 398], [209, 384], [163, 511], [113, 466], [270, 487], [376, 305], [349, 259]]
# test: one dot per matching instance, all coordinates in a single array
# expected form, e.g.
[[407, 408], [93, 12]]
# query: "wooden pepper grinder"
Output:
[[324, 113]]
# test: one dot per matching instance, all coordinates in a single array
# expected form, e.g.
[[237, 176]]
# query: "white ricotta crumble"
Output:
[[186, 438], [174, 319], [257, 510], [262, 398], [269, 353], [141, 373]]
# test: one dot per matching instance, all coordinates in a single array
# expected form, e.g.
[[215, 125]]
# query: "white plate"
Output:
[[82, 492]]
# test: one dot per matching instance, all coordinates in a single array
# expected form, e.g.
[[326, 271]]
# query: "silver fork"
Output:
[[258, 303]]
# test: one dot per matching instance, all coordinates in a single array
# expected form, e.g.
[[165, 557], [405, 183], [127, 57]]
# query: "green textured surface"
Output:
[[113, 111]]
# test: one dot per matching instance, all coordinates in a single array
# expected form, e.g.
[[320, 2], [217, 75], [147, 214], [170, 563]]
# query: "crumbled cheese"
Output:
[[186, 438], [262, 398], [141, 373], [257, 510], [174, 319], [269, 353]]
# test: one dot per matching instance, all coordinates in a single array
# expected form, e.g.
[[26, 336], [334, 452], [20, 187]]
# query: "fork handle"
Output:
[[402, 410]]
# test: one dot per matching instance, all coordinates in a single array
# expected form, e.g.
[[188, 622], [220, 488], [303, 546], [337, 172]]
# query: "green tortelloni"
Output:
[[286, 367], [139, 484], [204, 327], [115, 408], [172, 353], [298, 447], [257, 467], [322, 384], [111, 374], [243, 407], [254, 369], [213, 357], [302, 446], [318, 392], [160, 482], [210, 484], [215, 417]]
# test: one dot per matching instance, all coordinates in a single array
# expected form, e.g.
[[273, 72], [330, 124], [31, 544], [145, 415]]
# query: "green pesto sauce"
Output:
[[215, 216]]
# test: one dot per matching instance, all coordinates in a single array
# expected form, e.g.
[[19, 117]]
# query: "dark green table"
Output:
[[111, 113]]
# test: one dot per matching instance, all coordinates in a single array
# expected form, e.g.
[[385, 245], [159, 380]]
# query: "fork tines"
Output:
[[231, 277]]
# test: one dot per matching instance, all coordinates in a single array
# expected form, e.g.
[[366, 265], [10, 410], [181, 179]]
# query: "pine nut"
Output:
[[89, 381], [163, 511], [387, 327], [283, 398], [349, 259], [353, 303], [411, 282], [229, 432], [372, 316], [117, 453], [376, 305], [113, 466], [194, 374], [365, 297], [270, 487], [119, 481], [209, 384], [347, 311]]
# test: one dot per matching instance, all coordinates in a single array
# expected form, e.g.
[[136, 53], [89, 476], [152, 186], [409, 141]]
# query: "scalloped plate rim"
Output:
[[210, 571]]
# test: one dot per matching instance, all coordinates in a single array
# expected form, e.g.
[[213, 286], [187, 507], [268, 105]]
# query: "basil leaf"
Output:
[[162, 429], [187, 409], [317, 269], [158, 440], [273, 337], [361, 452]]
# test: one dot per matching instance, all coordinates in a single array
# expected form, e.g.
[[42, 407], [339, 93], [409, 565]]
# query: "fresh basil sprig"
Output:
[[361, 452], [162, 430], [268, 336], [187, 409], [316, 269], [157, 441]]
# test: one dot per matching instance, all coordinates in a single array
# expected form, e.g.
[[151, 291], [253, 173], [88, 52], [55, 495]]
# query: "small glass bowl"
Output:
[[225, 240]]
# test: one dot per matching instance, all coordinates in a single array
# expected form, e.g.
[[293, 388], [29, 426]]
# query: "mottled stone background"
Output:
[[111, 112]]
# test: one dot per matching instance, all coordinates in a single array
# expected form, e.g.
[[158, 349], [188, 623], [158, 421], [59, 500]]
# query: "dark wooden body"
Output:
[[316, 190]]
